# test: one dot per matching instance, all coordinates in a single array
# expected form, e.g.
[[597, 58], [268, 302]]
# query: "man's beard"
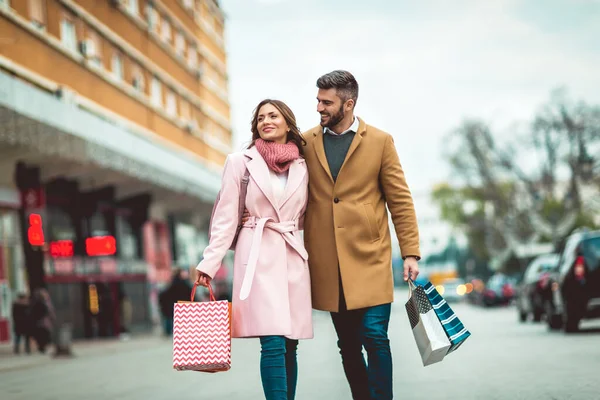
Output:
[[336, 118]]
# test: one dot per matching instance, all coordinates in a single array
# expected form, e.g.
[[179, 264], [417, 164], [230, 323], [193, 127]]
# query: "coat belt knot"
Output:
[[285, 228]]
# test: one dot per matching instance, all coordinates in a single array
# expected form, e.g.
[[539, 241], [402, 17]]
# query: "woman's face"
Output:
[[271, 125]]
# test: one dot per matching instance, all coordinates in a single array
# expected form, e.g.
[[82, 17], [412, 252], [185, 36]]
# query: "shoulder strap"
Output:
[[243, 191]]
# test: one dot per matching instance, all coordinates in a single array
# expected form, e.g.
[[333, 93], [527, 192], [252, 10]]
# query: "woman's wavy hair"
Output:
[[293, 135]]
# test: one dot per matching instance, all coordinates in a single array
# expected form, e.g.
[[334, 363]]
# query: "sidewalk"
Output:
[[80, 348]]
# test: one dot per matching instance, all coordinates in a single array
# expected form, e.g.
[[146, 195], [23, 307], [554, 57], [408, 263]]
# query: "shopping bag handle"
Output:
[[411, 287], [210, 291]]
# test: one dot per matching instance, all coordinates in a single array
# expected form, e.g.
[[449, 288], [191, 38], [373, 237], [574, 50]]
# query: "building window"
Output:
[[68, 37], [96, 225], [133, 7], [156, 93], [128, 240], [179, 44], [60, 224], [151, 17], [187, 243], [138, 81], [37, 13], [165, 31], [171, 104], [91, 48], [192, 57], [117, 66]]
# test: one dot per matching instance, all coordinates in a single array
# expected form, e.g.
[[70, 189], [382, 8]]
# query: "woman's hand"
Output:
[[245, 216], [202, 279]]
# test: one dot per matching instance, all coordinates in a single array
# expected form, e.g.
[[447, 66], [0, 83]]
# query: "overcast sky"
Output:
[[422, 66]]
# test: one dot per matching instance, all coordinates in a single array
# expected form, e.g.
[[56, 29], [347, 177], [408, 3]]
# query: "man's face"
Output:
[[330, 107]]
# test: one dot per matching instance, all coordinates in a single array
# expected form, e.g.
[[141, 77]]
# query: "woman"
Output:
[[43, 318], [271, 282]]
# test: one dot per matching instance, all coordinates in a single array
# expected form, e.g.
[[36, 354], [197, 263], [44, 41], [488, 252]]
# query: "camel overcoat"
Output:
[[346, 229], [271, 280]]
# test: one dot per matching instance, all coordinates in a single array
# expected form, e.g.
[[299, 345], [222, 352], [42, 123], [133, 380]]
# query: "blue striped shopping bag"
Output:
[[456, 331]]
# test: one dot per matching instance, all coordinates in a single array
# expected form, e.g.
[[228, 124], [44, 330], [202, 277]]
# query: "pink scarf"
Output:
[[278, 156]]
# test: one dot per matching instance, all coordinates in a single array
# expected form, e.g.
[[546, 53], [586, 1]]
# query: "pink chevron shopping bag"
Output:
[[202, 335]]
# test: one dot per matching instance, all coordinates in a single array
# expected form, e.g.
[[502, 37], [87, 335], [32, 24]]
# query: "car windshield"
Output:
[[541, 264], [591, 252]]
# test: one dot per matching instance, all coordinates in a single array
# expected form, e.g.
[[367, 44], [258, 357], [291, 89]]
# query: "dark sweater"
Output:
[[336, 148]]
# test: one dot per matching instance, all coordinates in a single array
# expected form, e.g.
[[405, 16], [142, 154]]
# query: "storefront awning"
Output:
[[37, 120]]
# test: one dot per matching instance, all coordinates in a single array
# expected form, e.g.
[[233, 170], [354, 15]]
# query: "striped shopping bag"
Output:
[[202, 335], [432, 341], [456, 331]]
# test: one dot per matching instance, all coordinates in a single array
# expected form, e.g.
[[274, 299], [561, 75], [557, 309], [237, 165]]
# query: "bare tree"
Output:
[[526, 202], [569, 134]]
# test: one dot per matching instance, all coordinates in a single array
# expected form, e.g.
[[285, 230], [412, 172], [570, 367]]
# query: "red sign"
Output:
[[61, 248], [101, 246], [35, 233]]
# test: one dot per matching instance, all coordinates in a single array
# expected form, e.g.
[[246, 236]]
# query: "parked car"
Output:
[[453, 290], [574, 287], [530, 289], [499, 290]]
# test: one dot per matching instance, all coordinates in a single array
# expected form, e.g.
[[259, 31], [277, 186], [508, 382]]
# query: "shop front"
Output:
[[82, 224], [12, 273]]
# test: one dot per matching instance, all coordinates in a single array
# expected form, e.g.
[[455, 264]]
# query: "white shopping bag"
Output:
[[432, 341]]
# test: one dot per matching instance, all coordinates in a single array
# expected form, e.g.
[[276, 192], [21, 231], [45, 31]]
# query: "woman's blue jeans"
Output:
[[278, 367]]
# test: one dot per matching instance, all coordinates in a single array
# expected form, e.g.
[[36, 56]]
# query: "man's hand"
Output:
[[202, 279], [411, 268], [245, 216]]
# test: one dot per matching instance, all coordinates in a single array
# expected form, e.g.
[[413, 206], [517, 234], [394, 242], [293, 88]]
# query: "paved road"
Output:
[[502, 360]]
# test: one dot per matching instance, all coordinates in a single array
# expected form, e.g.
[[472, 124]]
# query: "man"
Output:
[[354, 172], [22, 325]]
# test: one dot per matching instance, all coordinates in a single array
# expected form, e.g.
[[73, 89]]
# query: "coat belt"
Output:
[[285, 228]]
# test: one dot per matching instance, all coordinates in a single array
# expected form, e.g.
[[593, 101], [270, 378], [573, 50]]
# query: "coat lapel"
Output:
[[259, 171], [295, 177], [320, 150], [362, 128]]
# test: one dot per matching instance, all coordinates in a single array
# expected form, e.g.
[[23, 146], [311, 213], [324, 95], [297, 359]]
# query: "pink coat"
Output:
[[271, 282]]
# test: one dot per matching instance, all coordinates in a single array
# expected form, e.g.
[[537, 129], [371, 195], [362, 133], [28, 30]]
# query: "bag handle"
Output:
[[210, 291], [411, 287], [242, 199]]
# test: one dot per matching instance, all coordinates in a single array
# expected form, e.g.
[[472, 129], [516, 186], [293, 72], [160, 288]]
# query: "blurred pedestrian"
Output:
[[179, 289], [43, 318], [222, 290], [126, 308], [22, 323], [271, 282], [354, 173]]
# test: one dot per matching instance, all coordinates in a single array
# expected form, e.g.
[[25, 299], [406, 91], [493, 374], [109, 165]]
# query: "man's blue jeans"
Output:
[[278, 367], [366, 327]]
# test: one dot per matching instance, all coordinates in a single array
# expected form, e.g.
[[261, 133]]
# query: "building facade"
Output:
[[114, 126]]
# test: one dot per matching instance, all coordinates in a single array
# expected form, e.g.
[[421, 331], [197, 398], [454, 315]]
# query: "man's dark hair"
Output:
[[343, 82]]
